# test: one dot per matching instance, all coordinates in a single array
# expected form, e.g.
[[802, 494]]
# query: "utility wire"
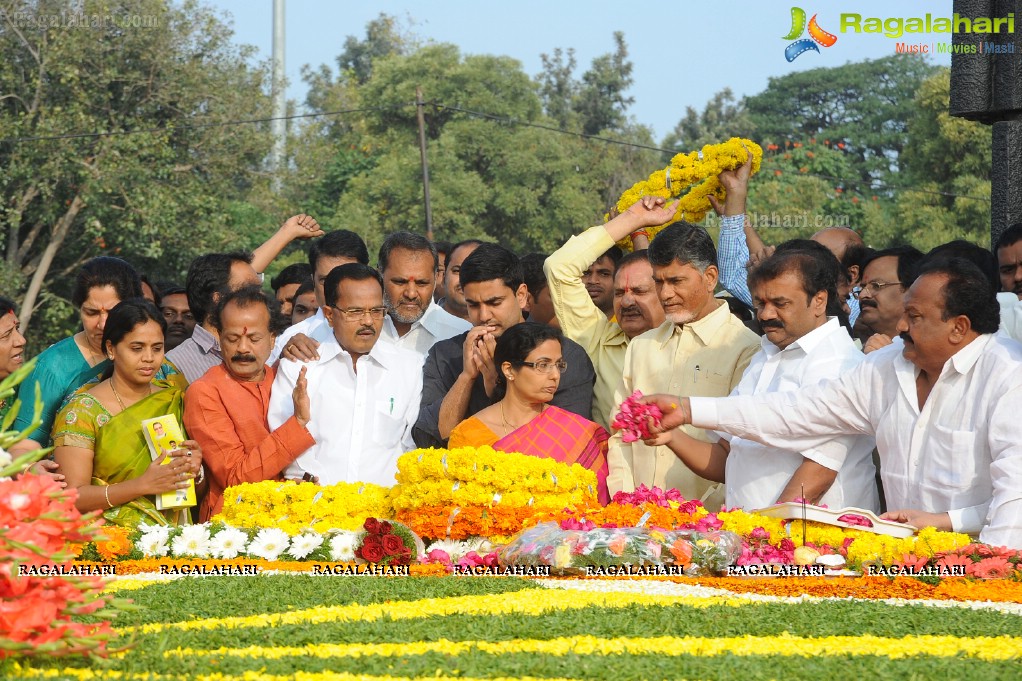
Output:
[[527, 124], [194, 126], [468, 112]]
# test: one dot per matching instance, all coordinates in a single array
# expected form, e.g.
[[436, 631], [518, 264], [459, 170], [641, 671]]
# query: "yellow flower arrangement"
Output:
[[693, 177], [294, 507], [479, 491]]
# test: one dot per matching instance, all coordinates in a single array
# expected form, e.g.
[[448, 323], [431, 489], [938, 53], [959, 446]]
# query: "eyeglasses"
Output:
[[545, 366], [356, 314], [873, 286]]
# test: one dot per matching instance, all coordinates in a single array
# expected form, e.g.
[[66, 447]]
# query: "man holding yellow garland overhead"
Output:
[[636, 307], [702, 349]]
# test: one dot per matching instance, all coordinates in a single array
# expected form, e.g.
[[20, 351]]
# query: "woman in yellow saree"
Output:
[[529, 363], [98, 437]]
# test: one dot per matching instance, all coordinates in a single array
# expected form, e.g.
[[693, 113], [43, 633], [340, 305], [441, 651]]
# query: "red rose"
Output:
[[372, 553], [373, 540], [371, 525], [392, 544], [385, 527]]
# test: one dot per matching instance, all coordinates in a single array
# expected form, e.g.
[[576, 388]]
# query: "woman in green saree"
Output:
[[62, 368], [100, 446]]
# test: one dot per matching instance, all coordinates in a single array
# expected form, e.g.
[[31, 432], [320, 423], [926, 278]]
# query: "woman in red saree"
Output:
[[529, 363]]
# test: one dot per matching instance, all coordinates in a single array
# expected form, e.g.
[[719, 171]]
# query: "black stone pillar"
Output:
[[988, 88]]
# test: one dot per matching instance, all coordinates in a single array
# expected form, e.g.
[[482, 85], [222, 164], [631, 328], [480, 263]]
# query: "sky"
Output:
[[683, 52]]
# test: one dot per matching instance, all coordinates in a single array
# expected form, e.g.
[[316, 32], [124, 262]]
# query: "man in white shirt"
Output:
[[795, 296], [364, 394], [409, 264], [336, 248], [944, 409]]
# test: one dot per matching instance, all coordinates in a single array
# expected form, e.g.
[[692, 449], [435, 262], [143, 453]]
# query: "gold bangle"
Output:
[[106, 493]]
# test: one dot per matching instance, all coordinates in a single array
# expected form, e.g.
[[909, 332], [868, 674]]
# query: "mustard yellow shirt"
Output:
[[583, 322], [705, 358]]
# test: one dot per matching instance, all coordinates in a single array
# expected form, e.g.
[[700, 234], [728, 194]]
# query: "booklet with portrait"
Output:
[[163, 434]]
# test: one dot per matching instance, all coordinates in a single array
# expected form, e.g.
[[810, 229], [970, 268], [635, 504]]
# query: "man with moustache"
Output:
[[180, 320], [636, 307], [336, 248], [409, 264], [459, 376], [943, 409], [881, 295], [454, 298], [364, 393], [226, 409], [792, 291], [702, 349]]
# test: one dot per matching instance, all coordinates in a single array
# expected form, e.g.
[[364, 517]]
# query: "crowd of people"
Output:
[[818, 369]]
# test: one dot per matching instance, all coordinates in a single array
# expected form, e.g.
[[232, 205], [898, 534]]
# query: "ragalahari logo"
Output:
[[798, 26]]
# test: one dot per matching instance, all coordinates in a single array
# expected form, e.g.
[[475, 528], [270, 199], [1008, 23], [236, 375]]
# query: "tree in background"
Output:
[[158, 196], [525, 187], [865, 105], [721, 119]]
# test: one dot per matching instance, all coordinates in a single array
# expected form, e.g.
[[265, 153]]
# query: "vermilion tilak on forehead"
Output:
[[244, 331]]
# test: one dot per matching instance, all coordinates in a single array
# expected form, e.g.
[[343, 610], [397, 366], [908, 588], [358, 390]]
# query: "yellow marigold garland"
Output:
[[472, 491], [695, 175], [293, 506]]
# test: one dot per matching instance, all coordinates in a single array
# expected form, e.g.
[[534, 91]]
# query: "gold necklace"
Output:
[[507, 426], [118, 397], [85, 341]]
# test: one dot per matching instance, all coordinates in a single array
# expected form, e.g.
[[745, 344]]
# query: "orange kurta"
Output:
[[227, 417]]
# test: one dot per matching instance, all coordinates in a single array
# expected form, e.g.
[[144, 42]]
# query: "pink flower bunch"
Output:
[[708, 523], [473, 559], [38, 524], [633, 418], [648, 495], [758, 549], [572, 523]]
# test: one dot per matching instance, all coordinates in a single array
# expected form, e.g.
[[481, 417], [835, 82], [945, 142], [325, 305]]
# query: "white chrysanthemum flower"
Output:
[[228, 543], [5, 458], [269, 543], [153, 545], [193, 541], [304, 544], [342, 546]]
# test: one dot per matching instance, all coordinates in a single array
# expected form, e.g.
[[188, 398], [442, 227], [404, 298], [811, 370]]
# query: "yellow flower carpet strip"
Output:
[[981, 647], [515, 603]]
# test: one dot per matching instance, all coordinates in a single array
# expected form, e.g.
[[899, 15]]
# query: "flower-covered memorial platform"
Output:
[[486, 565]]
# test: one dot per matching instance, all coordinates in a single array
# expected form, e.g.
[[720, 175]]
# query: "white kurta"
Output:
[[960, 454], [362, 422], [757, 473]]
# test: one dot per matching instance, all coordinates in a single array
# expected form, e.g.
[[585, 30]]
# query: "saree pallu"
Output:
[[565, 437], [121, 453]]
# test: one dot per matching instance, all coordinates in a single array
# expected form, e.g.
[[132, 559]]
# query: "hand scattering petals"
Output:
[[633, 418]]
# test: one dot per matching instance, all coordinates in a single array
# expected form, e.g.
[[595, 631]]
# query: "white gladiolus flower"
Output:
[[269, 543]]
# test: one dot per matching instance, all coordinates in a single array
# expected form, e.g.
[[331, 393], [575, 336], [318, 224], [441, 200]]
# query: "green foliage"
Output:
[[601, 102], [157, 198], [721, 119], [865, 105], [198, 599], [523, 187]]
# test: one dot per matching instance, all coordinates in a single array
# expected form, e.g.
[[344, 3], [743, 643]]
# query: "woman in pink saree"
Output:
[[529, 363]]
